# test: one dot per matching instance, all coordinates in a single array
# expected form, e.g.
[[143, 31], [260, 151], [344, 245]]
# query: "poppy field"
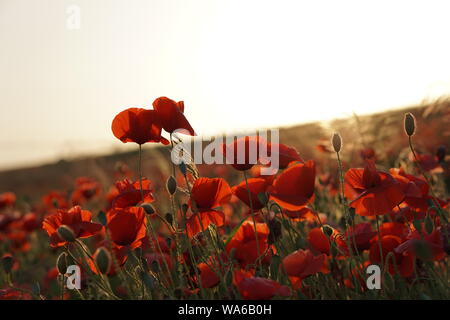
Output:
[[358, 220]]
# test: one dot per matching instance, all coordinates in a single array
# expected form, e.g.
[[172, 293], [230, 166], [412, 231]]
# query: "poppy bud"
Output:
[[274, 231], [440, 154], [410, 124], [171, 185], [263, 198], [61, 263], [148, 208], [66, 233], [327, 230], [7, 262], [184, 208], [336, 141], [169, 218], [103, 260]]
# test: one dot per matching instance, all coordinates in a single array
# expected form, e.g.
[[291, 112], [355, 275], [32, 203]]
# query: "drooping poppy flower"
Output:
[[130, 193], [55, 200], [138, 125], [403, 262], [85, 189], [78, 220], [294, 187], [206, 195], [301, 264], [7, 199], [372, 192], [127, 226], [243, 153], [256, 186], [431, 244], [171, 114], [245, 244], [257, 288]]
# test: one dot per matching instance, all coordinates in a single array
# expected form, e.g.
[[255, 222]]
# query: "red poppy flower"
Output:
[[244, 242], [138, 125], [404, 262], [360, 235], [256, 186], [127, 226], [206, 195], [415, 189], [55, 200], [172, 116], [77, 219], [319, 241], [294, 187], [303, 263], [257, 288], [85, 190], [130, 193], [243, 153], [286, 154], [432, 242], [372, 192], [7, 199]]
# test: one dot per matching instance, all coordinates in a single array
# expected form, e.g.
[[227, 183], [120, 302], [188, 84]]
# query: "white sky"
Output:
[[236, 64]]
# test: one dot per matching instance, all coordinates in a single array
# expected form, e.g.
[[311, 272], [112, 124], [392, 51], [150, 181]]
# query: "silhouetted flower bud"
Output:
[[148, 208], [410, 124], [274, 230], [103, 260], [440, 154], [327, 230], [61, 263], [7, 262], [66, 233], [169, 218], [336, 141], [171, 185], [184, 208]]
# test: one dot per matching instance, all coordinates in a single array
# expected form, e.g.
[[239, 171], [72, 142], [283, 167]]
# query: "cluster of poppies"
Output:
[[283, 235]]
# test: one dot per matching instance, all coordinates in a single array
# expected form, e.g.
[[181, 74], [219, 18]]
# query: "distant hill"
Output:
[[381, 131]]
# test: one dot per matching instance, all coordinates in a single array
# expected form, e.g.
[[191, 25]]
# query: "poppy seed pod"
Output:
[[7, 263], [148, 208], [410, 124], [103, 260], [440, 154], [336, 141], [171, 185], [61, 263], [66, 233], [327, 230]]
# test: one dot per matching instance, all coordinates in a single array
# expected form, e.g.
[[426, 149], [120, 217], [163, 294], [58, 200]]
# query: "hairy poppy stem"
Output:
[[253, 217], [379, 242], [140, 172]]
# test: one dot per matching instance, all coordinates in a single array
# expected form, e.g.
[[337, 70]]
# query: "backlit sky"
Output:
[[236, 64]]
